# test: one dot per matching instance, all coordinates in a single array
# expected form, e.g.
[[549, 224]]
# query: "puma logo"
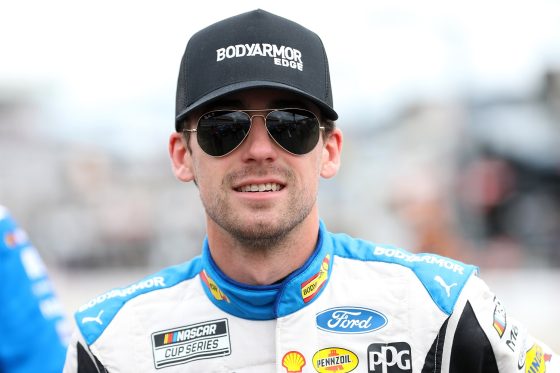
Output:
[[96, 319], [447, 288]]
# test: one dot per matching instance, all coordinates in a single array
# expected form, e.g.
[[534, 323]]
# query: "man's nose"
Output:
[[258, 144]]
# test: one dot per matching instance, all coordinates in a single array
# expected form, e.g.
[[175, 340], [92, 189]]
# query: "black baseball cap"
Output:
[[256, 49]]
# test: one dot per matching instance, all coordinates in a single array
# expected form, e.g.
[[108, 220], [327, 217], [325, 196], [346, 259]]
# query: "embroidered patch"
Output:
[[214, 289], [204, 340], [335, 359], [293, 361], [311, 287]]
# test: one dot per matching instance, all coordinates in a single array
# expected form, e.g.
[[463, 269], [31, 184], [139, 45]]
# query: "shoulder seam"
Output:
[[95, 316]]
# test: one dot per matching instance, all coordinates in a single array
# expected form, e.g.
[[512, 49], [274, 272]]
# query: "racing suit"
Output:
[[33, 329], [353, 306]]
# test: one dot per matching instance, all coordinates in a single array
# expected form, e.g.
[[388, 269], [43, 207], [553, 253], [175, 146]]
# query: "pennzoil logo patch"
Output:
[[204, 340], [335, 359], [311, 287]]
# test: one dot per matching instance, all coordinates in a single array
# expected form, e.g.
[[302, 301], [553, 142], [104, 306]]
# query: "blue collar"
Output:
[[268, 302]]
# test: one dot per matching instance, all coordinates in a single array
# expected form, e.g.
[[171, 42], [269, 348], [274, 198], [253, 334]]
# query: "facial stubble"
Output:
[[260, 233]]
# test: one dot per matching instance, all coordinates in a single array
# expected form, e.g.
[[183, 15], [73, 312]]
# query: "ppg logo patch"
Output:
[[204, 340], [389, 358]]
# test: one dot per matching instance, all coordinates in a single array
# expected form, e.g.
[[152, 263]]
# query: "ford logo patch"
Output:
[[350, 320]]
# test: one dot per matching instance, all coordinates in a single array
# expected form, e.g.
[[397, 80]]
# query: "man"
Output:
[[273, 290], [33, 329]]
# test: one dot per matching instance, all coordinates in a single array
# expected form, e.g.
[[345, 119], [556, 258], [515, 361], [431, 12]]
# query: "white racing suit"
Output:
[[354, 306]]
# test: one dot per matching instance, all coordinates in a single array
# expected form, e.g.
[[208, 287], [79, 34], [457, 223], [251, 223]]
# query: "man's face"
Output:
[[259, 191]]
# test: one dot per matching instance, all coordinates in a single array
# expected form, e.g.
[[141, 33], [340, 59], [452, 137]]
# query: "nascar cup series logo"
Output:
[[280, 55], [191, 342]]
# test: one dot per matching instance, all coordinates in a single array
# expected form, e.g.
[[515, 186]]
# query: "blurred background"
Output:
[[450, 111]]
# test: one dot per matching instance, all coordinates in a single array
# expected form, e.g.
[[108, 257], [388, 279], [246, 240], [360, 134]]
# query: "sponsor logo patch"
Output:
[[214, 289], [535, 362], [500, 319], [335, 359], [281, 55], [15, 238], [389, 358], [511, 339], [153, 282], [424, 258], [447, 287], [293, 361], [348, 320], [311, 287], [204, 340]]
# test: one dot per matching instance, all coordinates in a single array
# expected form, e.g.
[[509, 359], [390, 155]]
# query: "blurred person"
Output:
[[274, 290], [33, 329], [418, 197]]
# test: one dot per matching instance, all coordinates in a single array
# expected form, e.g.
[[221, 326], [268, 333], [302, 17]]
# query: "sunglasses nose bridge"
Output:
[[258, 134], [251, 117]]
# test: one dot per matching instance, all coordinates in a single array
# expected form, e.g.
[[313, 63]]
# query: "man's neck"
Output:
[[253, 265]]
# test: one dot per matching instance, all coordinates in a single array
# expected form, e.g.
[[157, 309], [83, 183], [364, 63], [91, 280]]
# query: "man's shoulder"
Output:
[[93, 317], [442, 277]]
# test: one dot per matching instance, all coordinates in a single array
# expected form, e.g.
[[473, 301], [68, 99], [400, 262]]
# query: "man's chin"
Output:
[[261, 227], [258, 230]]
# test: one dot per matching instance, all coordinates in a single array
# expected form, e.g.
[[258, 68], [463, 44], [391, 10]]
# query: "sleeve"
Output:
[[33, 327], [486, 338], [80, 359]]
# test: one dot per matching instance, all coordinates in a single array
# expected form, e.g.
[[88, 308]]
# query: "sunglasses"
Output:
[[220, 132]]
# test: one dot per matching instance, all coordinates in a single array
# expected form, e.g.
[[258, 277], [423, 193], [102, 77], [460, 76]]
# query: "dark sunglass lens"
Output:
[[219, 132], [295, 130]]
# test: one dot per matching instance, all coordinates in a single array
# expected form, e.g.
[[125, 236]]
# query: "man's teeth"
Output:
[[268, 187]]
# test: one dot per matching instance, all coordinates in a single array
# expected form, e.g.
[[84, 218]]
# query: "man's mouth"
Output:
[[267, 187]]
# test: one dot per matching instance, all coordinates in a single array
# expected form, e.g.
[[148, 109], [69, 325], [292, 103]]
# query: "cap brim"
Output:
[[327, 111]]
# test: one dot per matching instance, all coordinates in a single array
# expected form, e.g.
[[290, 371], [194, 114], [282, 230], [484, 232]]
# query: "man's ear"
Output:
[[181, 158], [330, 162]]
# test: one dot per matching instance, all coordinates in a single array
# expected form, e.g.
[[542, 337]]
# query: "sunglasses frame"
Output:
[[264, 116]]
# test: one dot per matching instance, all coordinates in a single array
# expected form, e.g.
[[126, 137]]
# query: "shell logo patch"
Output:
[[293, 361], [311, 287], [214, 289], [335, 359]]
